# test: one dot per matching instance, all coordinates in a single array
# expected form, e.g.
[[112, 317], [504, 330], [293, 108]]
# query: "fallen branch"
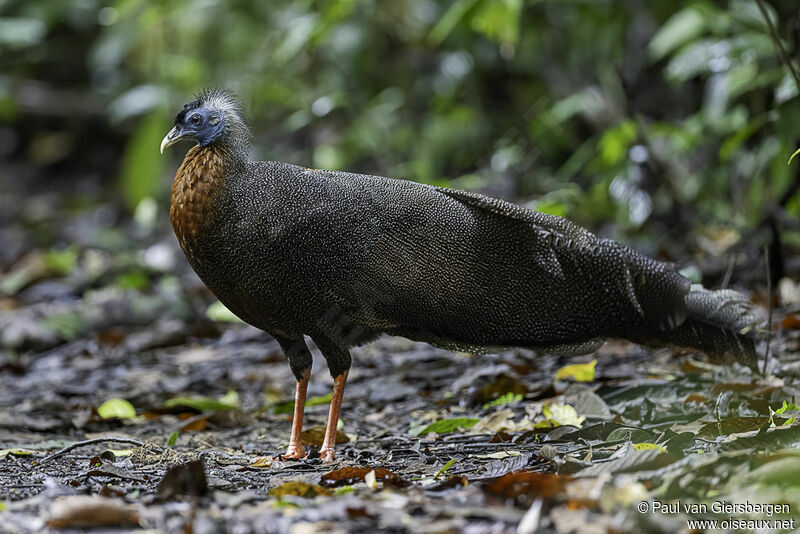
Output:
[[78, 444]]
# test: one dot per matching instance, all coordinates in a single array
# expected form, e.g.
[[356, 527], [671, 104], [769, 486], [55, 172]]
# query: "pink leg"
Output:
[[327, 452], [295, 449]]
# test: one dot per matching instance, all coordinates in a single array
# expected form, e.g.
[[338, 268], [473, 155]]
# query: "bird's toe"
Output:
[[327, 455], [294, 453]]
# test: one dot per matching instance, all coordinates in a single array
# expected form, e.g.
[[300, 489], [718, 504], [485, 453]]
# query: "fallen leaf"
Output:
[[350, 475], [450, 463], [734, 425], [201, 404], [508, 398], [298, 489], [580, 372], [561, 415], [87, 511], [525, 486], [648, 446], [15, 452], [288, 406], [499, 455], [119, 408], [195, 424], [262, 461], [445, 426], [188, 478], [504, 385], [502, 421], [790, 322], [316, 434]]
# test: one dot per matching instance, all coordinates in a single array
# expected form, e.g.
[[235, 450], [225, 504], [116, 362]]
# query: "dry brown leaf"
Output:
[[87, 511], [195, 424], [525, 486], [791, 322], [351, 475]]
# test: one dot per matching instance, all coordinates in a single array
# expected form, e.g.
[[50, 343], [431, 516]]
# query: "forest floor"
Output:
[[111, 342]]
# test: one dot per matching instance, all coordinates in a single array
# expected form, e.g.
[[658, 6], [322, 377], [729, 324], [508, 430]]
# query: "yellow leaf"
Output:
[[648, 446], [581, 372], [562, 414], [262, 461]]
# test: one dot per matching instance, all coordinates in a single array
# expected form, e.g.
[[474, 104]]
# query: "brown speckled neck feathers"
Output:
[[196, 185]]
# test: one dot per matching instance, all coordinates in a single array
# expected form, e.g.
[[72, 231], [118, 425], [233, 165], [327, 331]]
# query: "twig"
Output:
[[78, 444], [769, 308], [773, 33], [728, 272]]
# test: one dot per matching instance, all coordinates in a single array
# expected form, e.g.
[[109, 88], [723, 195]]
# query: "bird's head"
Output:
[[214, 116]]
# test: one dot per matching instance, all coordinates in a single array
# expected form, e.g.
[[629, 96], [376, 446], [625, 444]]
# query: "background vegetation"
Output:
[[645, 121]]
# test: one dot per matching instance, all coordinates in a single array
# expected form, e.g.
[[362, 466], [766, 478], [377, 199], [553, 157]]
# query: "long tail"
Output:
[[723, 323]]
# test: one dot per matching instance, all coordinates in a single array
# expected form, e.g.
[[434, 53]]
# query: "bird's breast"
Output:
[[196, 190]]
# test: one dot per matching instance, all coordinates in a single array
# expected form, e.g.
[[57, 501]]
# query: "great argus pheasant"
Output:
[[343, 258]]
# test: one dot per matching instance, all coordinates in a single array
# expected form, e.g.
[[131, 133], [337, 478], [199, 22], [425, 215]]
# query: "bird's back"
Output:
[[355, 255]]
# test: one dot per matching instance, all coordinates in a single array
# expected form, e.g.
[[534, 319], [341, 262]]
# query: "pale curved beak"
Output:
[[171, 138]]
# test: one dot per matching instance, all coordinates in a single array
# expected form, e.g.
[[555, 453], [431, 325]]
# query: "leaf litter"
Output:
[[101, 349]]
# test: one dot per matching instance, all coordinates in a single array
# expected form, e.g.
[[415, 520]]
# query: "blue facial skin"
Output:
[[199, 123]]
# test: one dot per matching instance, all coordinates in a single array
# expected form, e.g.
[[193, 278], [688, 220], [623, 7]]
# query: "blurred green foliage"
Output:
[[607, 112]]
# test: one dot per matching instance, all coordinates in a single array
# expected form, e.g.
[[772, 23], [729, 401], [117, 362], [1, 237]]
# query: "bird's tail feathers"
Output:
[[722, 323]]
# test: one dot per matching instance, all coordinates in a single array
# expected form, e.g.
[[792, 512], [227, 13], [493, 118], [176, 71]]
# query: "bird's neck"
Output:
[[196, 190]]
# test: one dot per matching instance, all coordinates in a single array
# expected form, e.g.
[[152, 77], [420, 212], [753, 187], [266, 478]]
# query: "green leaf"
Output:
[[682, 27], [172, 439], [796, 152], [316, 401], [581, 372], [499, 20], [448, 22], [15, 452], [790, 407], [450, 463], [445, 426], [288, 406], [503, 399], [786, 406], [61, 262], [616, 141], [202, 404], [119, 408], [142, 165]]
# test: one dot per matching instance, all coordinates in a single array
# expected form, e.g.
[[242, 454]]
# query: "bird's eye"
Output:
[[195, 119]]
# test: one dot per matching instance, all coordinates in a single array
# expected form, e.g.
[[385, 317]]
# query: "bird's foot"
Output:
[[294, 452], [327, 454]]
